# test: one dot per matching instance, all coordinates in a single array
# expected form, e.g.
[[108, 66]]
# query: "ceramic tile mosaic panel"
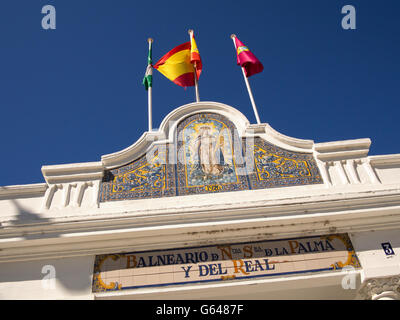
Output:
[[148, 177], [208, 157], [277, 167], [237, 261]]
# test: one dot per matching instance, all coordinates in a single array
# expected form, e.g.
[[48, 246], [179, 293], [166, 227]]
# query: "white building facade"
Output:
[[208, 207]]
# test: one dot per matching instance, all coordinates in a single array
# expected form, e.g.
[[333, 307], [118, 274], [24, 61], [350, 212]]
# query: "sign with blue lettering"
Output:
[[222, 262], [387, 248]]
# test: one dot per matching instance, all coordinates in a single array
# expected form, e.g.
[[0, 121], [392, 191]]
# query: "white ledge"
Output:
[[344, 145], [21, 190], [390, 159], [73, 172], [342, 155]]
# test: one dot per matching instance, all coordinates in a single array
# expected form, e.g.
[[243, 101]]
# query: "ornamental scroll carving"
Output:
[[373, 288]]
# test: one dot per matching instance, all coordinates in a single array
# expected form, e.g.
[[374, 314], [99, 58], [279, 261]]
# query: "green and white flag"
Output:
[[148, 77]]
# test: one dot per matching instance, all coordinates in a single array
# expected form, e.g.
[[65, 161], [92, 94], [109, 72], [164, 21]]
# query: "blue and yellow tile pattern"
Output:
[[208, 157]]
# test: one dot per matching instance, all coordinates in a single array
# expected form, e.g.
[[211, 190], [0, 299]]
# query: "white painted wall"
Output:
[[374, 261], [25, 280]]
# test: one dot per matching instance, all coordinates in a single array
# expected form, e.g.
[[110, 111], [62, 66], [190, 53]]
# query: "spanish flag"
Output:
[[177, 64], [195, 55]]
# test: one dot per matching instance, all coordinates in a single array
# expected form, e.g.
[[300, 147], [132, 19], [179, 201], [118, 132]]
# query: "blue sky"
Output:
[[74, 93]]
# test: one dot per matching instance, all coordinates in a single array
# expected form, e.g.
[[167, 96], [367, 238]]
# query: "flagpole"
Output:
[[149, 94], [233, 36], [190, 31], [196, 84]]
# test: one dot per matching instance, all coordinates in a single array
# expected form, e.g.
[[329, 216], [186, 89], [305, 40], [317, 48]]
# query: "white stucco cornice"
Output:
[[37, 189], [344, 145], [72, 172], [340, 150], [389, 159]]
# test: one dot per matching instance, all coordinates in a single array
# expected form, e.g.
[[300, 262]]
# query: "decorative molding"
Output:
[[345, 145], [64, 173], [68, 178], [324, 169], [385, 160], [33, 190], [350, 165], [339, 167], [371, 172], [144, 228], [378, 288]]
